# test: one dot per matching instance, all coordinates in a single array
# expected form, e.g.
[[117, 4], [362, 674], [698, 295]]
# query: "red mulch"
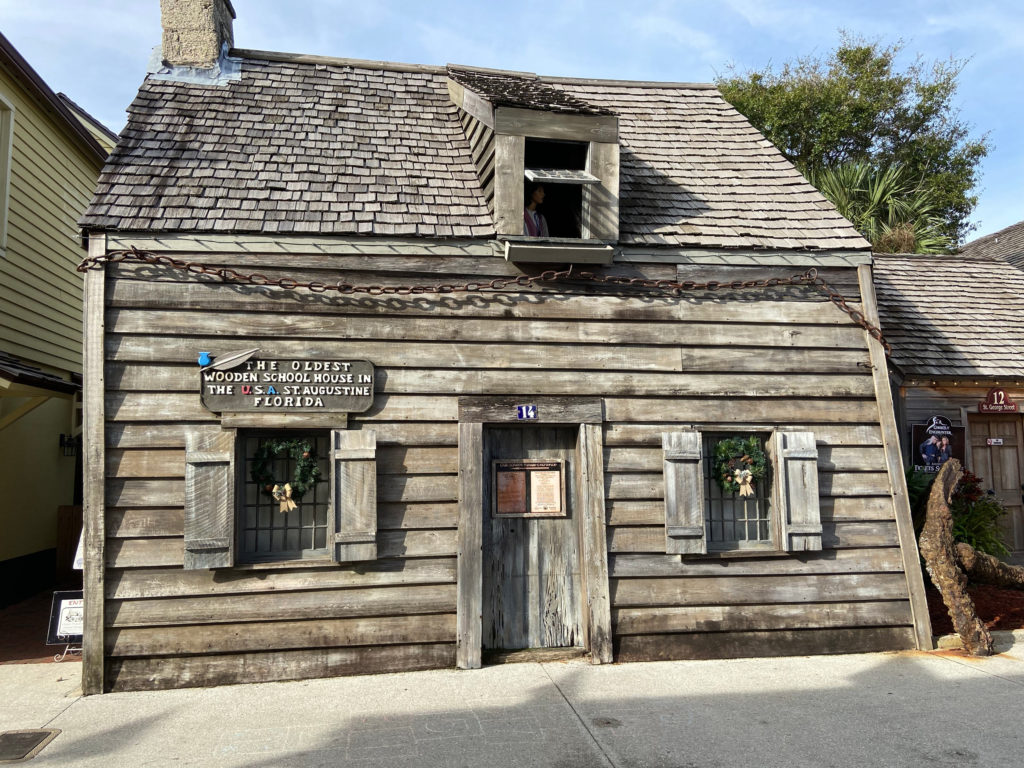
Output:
[[999, 608]]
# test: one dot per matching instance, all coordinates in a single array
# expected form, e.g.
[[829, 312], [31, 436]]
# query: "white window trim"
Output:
[[6, 154]]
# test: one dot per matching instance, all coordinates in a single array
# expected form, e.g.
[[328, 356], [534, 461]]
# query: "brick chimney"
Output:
[[195, 31]]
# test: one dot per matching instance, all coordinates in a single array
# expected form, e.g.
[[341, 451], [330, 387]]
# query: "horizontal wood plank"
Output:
[[402, 600], [758, 590], [190, 671], [644, 621], [734, 645], [838, 561], [511, 305], [823, 338], [174, 582], [280, 635], [845, 535]]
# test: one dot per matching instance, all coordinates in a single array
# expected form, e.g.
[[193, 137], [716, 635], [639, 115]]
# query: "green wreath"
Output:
[[307, 471], [736, 454]]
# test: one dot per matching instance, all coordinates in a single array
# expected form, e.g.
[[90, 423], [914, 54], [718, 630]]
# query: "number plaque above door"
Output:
[[997, 401]]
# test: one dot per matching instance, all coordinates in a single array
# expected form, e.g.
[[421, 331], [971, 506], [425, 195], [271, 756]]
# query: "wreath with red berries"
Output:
[[307, 470], [735, 454]]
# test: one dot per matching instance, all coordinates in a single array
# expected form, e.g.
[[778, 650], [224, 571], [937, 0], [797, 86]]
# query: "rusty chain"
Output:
[[809, 278]]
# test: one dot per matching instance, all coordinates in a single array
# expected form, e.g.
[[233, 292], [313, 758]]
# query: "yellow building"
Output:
[[51, 153]]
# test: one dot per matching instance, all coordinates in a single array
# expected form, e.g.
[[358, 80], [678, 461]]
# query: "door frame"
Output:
[[970, 419], [595, 603]]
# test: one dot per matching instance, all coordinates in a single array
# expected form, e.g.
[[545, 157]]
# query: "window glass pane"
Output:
[[733, 519], [266, 532]]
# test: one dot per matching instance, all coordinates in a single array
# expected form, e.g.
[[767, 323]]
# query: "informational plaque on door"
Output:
[[529, 488]]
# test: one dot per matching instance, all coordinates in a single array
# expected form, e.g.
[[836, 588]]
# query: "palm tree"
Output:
[[895, 214]]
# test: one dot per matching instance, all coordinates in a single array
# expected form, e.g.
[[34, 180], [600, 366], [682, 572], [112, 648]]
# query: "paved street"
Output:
[[888, 710]]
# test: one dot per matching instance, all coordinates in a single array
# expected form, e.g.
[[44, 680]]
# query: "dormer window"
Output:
[[560, 166], [524, 131]]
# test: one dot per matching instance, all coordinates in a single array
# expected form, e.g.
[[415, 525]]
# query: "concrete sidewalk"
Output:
[[900, 709]]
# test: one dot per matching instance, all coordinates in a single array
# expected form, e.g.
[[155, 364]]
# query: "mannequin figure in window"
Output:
[[534, 223]]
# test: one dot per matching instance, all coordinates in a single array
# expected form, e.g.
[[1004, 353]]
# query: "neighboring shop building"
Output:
[[332, 279], [955, 324], [51, 153]]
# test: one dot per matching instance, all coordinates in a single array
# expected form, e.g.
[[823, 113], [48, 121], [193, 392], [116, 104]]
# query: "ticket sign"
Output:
[[289, 385], [529, 488], [997, 401], [935, 443], [67, 613]]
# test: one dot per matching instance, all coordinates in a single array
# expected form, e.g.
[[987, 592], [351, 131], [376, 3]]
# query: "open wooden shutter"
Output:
[[684, 493], [797, 490], [210, 499], [354, 494]]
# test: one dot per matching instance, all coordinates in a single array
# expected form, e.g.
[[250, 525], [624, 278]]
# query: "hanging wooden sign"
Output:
[[997, 401], [241, 382], [529, 488]]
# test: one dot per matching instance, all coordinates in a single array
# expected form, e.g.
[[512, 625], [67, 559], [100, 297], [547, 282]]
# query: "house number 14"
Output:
[[525, 412]]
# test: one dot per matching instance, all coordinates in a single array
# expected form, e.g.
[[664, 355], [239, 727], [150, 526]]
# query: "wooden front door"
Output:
[[1000, 467], [531, 575]]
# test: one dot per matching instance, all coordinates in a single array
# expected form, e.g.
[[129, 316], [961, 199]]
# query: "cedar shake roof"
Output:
[[318, 147], [1006, 244], [523, 91], [952, 316]]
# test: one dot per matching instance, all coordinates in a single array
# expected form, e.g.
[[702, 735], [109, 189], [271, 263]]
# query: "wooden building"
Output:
[[51, 152], [958, 353], [512, 456]]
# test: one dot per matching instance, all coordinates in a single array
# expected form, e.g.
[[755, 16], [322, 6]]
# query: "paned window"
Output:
[[238, 510], [781, 513], [731, 520], [265, 531]]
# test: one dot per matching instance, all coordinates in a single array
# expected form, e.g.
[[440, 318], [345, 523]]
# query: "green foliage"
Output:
[[976, 514], [895, 214], [737, 454], [307, 471], [856, 106], [919, 484], [976, 517]]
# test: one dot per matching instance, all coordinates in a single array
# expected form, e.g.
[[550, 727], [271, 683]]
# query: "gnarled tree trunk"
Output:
[[939, 553], [987, 569]]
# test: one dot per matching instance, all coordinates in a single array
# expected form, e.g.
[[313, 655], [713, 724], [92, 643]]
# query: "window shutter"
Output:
[[797, 479], [354, 494], [684, 493], [209, 499]]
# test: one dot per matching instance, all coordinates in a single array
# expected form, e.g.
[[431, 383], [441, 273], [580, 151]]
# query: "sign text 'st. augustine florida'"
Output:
[[290, 385]]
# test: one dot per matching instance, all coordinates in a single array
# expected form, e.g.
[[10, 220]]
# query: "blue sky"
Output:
[[96, 50]]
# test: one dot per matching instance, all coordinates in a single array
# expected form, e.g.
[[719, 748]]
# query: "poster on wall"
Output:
[[935, 443], [529, 488]]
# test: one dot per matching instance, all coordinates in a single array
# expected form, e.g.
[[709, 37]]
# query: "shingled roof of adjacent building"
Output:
[[951, 316], [1006, 244], [340, 147]]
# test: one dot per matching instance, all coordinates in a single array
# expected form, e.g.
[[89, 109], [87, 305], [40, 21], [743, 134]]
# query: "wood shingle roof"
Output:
[[951, 316], [1006, 244], [312, 147]]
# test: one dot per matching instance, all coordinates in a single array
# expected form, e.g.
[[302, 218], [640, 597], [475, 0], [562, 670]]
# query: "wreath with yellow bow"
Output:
[[739, 463], [307, 471]]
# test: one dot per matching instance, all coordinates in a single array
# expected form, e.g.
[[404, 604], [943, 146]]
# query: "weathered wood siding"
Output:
[[788, 359], [481, 142]]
